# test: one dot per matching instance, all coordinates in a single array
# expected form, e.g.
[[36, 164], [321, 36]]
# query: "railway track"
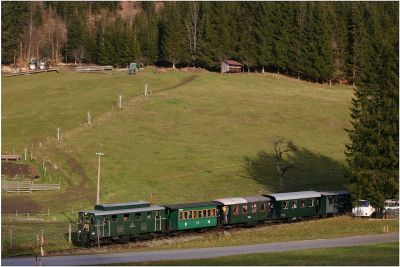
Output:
[[150, 241]]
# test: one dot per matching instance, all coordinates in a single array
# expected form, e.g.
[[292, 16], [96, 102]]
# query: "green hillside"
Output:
[[191, 140]]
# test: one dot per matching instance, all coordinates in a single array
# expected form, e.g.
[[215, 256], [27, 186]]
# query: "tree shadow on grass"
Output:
[[311, 171]]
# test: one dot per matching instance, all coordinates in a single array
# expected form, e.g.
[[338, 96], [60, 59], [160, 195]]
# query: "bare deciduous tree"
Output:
[[282, 146], [192, 25]]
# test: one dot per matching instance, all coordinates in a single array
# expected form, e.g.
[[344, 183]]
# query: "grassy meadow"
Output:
[[191, 140]]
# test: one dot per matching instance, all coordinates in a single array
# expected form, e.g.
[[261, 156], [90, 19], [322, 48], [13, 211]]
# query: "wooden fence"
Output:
[[26, 186], [94, 68]]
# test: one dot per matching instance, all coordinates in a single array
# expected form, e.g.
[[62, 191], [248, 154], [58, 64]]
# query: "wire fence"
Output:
[[22, 237]]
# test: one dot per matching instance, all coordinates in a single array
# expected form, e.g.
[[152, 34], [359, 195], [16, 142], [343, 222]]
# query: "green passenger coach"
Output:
[[191, 215], [239, 210], [335, 202], [294, 205], [123, 224]]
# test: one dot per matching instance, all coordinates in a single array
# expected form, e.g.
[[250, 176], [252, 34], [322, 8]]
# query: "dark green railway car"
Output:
[[120, 224], [191, 215], [335, 202], [294, 205], [240, 210]]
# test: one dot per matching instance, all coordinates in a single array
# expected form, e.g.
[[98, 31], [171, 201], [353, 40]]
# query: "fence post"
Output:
[[120, 101], [69, 234], [42, 244], [25, 152], [28, 216], [58, 135], [48, 212], [10, 238], [89, 119]]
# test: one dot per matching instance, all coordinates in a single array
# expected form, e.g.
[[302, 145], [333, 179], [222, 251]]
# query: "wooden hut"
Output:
[[231, 66]]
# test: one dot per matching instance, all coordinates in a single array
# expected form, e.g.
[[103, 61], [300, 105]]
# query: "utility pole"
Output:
[[98, 178]]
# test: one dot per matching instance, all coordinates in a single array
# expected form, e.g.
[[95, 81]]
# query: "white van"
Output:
[[363, 209]]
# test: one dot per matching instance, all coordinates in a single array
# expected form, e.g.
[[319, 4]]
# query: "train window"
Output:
[[262, 207], [185, 215], [330, 200], [209, 213], [126, 217], [138, 216], [204, 213], [200, 213], [190, 215], [148, 215], [302, 203], [157, 214], [294, 204], [213, 212], [194, 214], [254, 208], [236, 210], [244, 209], [114, 218], [181, 215], [285, 205], [312, 203]]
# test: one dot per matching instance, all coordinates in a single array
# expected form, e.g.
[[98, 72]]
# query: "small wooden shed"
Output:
[[231, 66]]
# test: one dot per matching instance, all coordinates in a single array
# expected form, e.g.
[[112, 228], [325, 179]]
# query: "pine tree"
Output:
[[76, 39], [14, 20], [323, 36], [246, 43], [281, 17], [357, 40], [263, 35], [372, 154], [172, 39]]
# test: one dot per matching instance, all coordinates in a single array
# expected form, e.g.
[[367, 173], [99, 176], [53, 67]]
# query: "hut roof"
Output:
[[233, 62]]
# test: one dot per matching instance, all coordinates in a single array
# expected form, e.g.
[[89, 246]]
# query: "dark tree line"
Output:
[[318, 41]]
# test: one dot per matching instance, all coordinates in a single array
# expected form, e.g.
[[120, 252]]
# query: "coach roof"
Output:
[[295, 195], [231, 200], [112, 212]]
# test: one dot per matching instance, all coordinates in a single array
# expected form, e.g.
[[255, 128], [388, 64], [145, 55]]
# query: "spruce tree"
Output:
[[263, 35], [172, 39], [14, 20], [372, 154]]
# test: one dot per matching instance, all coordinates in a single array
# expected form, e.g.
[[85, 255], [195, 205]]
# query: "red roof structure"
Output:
[[233, 62]]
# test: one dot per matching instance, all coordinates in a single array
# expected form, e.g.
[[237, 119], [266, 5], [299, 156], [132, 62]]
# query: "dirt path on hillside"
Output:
[[182, 83]]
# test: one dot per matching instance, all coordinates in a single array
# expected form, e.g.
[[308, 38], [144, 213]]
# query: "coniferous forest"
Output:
[[316, 41], [326, 42]]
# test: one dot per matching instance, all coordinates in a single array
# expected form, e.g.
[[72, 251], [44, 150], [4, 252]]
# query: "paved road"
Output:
[[98, 259]]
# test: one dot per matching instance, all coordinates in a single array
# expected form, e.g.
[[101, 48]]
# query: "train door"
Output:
[[106, 227], [157, 221]]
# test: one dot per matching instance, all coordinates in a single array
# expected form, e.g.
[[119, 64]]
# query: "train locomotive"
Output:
[[125, 222]]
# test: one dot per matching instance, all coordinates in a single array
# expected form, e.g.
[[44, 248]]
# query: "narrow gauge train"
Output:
[[124, 222]]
